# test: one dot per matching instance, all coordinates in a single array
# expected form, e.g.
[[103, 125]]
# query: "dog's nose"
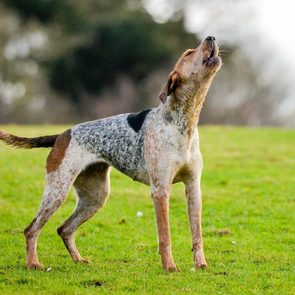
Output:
[[210, 38]]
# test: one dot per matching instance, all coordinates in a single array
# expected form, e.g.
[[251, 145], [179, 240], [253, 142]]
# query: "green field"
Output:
[[248, 224]]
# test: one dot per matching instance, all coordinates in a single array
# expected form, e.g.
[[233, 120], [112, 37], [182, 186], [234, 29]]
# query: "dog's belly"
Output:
[[140, 175], [128, 159]]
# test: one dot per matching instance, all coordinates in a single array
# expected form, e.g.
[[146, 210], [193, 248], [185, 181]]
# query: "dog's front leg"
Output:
[[160, 197], [194, 202]]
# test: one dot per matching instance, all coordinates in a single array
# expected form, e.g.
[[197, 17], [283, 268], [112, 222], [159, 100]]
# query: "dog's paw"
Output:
[[35, 266], [83, 261], [201, 264], [172, 268], [200, 261]]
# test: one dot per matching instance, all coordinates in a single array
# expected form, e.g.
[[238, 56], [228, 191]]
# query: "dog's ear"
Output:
[[172, 83]]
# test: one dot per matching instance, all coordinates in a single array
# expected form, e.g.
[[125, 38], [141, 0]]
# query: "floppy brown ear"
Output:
[[172, 82]]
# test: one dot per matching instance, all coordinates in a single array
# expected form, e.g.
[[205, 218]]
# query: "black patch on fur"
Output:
[[135, 120]]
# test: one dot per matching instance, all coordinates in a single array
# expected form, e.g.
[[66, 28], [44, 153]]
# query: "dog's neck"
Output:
[[184, 106]]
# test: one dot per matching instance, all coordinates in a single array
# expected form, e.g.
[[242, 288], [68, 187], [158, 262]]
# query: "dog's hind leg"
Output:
[[93, 188], [64, 163], [56, 190]]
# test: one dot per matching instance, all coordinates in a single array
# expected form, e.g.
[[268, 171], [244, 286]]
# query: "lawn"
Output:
[[248, 224]]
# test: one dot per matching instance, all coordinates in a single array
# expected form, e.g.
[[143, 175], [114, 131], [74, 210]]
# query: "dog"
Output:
[[157, 147]]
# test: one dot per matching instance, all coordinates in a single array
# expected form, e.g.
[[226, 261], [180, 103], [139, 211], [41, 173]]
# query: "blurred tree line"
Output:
[[65, 61], [70, 60]]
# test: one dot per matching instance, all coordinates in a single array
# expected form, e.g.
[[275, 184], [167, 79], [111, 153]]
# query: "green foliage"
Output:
[[98, 41], [47, 11], [248, 190], [131, 47]]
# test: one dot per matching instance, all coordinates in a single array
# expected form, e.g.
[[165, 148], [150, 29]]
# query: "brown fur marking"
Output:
[[58, 152]]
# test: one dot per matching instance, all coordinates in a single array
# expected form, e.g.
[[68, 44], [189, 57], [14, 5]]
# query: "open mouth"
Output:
[[213, 53]]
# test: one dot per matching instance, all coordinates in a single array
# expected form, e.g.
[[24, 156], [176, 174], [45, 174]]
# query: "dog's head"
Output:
[[195, 66]]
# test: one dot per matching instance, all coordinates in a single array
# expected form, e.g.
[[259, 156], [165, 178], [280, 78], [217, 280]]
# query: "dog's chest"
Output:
[[166, 140]]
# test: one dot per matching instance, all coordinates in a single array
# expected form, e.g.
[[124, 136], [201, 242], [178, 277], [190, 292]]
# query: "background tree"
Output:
[[96, 53], [69, 60]]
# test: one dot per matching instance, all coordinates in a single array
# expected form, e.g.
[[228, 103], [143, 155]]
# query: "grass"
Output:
[[248, 224]]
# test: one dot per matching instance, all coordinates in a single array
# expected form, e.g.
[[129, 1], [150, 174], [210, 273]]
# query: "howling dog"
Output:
[[157, 147]]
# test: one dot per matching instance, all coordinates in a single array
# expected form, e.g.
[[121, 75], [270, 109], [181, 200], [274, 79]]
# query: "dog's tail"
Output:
[[28, 143]]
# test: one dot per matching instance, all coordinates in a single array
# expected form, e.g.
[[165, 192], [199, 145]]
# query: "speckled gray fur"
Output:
[[113, 141]]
